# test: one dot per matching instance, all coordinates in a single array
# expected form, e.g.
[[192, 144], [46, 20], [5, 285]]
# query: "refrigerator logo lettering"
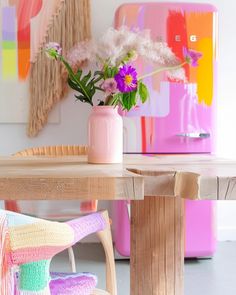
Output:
[[193, 38], [177, 38]]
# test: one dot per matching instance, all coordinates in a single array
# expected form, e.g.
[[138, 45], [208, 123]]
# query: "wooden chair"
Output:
[[60, 150], [56, 150], [74, 150], [30, 245]]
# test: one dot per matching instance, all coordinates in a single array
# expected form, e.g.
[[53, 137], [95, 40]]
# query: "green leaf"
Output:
[[105, 71], [86, 77], [118, 97], [109, 73], [115, 99], [129, 100], [79, 74], [82, 98], [98, 73], [73, 85], [97, 77], [115, 70], [84, 85], [143, 92]]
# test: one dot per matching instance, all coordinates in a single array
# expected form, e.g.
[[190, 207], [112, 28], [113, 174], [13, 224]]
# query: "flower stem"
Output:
[[162, 70], [109, 100], [112, 100]]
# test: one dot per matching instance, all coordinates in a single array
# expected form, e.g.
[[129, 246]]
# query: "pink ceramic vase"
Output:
[[105, 135]]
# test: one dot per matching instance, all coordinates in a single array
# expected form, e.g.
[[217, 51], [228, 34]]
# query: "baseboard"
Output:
[[226, 234]]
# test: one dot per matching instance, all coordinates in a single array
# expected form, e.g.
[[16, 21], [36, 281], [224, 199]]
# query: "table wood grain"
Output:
[[155, 184], [71, 177]]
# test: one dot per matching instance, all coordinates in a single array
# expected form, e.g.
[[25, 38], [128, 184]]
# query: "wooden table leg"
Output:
[[157, 246]]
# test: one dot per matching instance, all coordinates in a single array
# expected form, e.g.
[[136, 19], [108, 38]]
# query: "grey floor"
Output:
[[215, 276]]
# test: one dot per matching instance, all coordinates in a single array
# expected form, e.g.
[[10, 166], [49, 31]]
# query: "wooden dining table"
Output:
[[155, 185]]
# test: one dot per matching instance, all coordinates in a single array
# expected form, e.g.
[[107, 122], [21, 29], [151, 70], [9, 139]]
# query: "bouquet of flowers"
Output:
[[115, 75]]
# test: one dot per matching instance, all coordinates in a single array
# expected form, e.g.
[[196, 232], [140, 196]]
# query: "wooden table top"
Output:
[[71, 177]]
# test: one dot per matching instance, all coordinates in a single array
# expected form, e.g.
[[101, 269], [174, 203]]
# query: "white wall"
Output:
[[72, 129]]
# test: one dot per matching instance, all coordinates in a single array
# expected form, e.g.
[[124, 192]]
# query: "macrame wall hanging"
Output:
[[66, 22]]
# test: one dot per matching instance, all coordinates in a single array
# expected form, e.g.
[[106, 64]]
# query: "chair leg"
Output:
[[72, 259], [106, 240]]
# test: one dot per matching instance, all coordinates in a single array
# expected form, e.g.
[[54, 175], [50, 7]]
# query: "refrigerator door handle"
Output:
[[194, 135]]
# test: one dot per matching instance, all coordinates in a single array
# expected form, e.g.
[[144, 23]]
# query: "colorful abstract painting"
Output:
[[178, 117], [23, 25]]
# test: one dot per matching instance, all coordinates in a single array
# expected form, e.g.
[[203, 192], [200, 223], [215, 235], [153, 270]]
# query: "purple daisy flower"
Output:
[[126, 79], [191, 56]]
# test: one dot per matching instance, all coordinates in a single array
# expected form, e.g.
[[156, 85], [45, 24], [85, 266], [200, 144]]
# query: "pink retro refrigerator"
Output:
[[179, 117]]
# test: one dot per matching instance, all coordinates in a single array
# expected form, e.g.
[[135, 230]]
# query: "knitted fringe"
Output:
[[70, 25], [6, 277]]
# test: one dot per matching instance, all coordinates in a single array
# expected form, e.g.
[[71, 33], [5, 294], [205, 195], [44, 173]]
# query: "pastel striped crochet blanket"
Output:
[[27, 245]]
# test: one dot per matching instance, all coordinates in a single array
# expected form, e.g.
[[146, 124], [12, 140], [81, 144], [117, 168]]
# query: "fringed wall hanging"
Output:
[[68, 24]]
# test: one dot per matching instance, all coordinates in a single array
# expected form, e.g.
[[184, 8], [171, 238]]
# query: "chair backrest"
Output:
[[54, 151]]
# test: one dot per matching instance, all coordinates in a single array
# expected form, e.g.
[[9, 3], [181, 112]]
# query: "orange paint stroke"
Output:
[[203, 75], [26, 10]]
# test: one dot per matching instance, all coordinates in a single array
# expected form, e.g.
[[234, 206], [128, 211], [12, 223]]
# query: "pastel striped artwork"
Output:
[[23, 25], [16, 37], [9, 43]]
